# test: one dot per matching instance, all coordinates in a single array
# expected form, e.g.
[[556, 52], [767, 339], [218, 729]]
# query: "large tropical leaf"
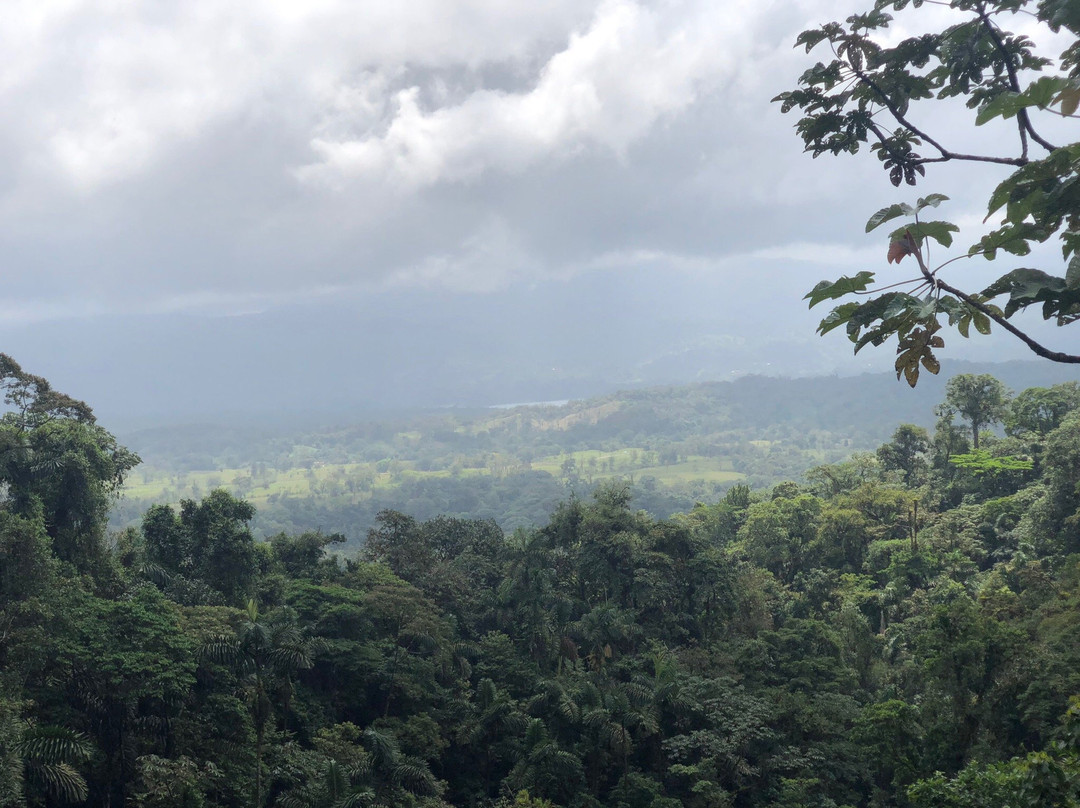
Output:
[[59, 780], [413, 775], [50, 744]]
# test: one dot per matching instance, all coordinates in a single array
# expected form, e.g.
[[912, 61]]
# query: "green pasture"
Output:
[[709, 469], [356, 481]]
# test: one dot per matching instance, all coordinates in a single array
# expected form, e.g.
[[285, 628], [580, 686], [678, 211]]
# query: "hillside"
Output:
[[675, 445]]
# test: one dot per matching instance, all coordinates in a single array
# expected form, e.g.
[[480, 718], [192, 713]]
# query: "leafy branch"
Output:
[[843, 103], [914, 319]]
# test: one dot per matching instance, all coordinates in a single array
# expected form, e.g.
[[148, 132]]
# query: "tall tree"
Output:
[[906, 452], [126, 667], [1041, 409], [267, 653], [980, 399], [208, 542], [59, 466]]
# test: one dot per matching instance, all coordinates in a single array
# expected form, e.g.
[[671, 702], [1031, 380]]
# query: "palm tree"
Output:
[[546, 768], [265, 654], [373, 780], [498, 722], [49, 754], [335, 789], [605, 632], [529, 593]]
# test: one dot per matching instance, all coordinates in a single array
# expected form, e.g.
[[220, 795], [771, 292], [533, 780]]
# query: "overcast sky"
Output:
[[217, 159]]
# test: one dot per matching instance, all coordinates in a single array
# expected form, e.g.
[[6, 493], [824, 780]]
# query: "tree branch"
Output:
[[1023, 120], [1019, 162], [1041, 350], [1045, 353], [946, 154]]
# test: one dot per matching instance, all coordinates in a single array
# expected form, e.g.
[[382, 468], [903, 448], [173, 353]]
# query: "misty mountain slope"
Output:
[[677, 445]]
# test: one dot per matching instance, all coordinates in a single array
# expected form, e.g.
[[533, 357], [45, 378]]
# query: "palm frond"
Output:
[[356, 799], [413, 775], [60, 780], [381, 746], [48, 745]]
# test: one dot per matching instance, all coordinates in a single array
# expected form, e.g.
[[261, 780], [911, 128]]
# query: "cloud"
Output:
[[487, 260], [228, 157], [98, 93], [607, 88]]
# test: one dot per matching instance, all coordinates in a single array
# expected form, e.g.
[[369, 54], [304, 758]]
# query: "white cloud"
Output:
[[96, 92], [152, 149], [487, 260], [608, 87]]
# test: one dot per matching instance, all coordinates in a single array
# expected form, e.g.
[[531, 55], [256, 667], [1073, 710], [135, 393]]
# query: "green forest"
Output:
[[718, 596], [896, 629]]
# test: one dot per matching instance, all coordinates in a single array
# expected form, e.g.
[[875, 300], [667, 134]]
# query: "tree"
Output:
[[49, 754], [1058, 514], [980, 399], [126, 667], [906, 452], [302, 556], [209, 542], [267, 654], [777, 533], [1041, 409], [58, 466], [1048, 777], [874, 83], [362, 768]]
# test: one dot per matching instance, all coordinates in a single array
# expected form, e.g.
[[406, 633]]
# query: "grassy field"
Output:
[[711, 470], [354, 481]]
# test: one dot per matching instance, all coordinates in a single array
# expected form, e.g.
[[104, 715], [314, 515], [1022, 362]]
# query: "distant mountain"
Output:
[[394, 350], [864, 408]]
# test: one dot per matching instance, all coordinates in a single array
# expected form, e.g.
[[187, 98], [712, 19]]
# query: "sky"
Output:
[[277, 204]]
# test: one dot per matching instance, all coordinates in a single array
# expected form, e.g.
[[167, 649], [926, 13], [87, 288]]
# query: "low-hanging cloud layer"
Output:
[[202, 156]]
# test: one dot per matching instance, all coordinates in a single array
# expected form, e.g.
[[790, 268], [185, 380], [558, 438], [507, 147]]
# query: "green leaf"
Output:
[[889, 213], [941, 232], [1024, 281], [1005, 105], [830, 290], [899, 303], [875, 337], [1041, 93], [931, 200], [837, 317], [1027, 286], [1072, 275], [981, 321], [963, 325], [809, 39], [1070, 100], [1011, 238]]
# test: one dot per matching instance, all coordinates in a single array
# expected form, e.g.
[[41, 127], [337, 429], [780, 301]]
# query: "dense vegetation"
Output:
[[676, 446], [899, 629]]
